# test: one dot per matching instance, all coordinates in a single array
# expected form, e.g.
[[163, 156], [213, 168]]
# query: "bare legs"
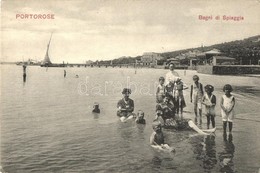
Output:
[[230, 126], [212, 119], [197, 129], [196, 115]]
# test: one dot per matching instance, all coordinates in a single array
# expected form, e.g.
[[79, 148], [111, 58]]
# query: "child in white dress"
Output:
[[227, 104]]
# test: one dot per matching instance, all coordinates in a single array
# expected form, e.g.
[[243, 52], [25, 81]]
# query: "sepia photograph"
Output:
[[130, 86]]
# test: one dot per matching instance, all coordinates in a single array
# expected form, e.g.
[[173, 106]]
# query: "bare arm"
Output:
[[152, 142], [232, 105], [202, 89], [158, 90], [203, 100], [214, 100]]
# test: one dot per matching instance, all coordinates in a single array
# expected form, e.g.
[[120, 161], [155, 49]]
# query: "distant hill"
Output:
[[245, 50]]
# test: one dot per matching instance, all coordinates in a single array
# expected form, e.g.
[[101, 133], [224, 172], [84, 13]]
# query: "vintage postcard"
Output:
[[130, 86]]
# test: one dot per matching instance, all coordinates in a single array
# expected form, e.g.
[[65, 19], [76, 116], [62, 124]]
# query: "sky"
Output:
[[108, 29]]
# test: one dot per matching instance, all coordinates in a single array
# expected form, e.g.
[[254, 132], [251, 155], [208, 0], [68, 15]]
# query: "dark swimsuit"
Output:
[[178, 125], [142, 121], [159, 138]]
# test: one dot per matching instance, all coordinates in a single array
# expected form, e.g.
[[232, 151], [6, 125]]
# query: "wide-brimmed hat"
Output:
[[209, 88], [126, 91]]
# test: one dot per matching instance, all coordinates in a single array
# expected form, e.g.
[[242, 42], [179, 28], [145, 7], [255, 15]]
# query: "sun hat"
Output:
[[126, 91]]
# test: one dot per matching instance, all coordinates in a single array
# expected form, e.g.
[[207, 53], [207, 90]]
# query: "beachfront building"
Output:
[[195, 57], [89, 62], [222, 60], [210, 54], [203, 58], [150, 59]]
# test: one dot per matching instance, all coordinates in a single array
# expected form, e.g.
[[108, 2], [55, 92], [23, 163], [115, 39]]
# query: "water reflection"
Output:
[[204, 148], [156, 162], [210, 159], [95, 115], [227, 155], [197, 144], [126, 131], [24, 78], [140, 128]]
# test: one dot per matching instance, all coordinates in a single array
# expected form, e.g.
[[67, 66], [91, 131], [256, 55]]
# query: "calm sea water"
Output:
[[47, 124]]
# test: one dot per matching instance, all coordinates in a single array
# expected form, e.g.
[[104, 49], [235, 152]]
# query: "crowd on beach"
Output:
[[170, 103]]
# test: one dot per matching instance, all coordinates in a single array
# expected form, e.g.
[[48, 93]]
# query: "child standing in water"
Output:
[[209, 100], [196, 94], [227, 104], [160, 92], [179, 97]]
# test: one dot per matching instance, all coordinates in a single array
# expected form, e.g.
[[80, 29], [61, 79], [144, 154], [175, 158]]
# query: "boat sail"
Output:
[[47, 62]]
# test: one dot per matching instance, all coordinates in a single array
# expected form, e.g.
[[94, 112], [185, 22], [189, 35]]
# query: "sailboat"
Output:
[[47, 62]]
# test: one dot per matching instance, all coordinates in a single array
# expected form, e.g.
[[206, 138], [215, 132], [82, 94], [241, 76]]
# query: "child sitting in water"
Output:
[[140, 117], [160, 92], [96, 108], [209, 100], [157, 137], [227, 104]]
